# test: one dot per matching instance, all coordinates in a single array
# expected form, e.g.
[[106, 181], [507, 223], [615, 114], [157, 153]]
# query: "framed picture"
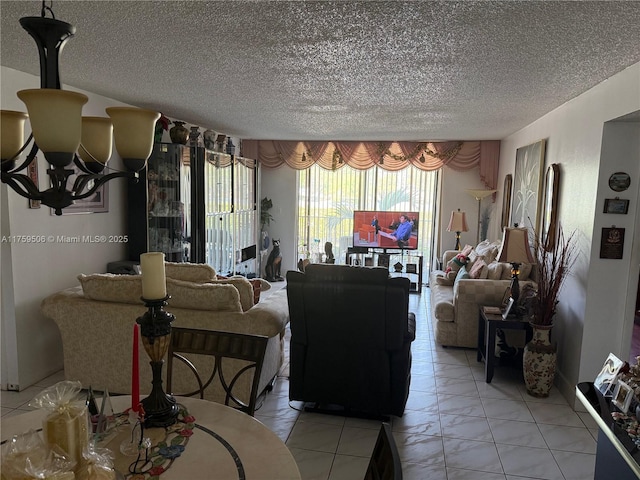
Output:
[[549, 222], [612, 243], [506, 200], [32, 171], [412, 268], [98, 202], [526, 197], [616, 205], [383, 260], [608, 375], [507, 308], [619, 181], [622, 396]]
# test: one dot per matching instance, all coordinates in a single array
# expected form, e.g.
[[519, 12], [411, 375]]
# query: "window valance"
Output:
[[391, 156]]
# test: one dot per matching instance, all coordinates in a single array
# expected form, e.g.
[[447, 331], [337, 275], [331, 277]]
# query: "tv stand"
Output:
[[388, 257]]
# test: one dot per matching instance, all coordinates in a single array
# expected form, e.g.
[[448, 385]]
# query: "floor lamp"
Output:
[[458, 223], [479, 195]]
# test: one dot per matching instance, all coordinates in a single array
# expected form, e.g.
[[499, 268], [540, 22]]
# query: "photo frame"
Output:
[[616, 205], [606, 379], [383, 260], [96, 203], [622, 396], [619, 181], [507, 308], [549, 221], [612, 243], [32, 172], [527, 184], [506, 200], [412, 268]]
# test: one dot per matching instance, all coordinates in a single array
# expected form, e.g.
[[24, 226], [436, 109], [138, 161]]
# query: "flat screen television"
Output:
[[383, 229]]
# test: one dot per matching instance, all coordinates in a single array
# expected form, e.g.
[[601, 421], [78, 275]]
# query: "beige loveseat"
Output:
[[455, 303], [96, 325]]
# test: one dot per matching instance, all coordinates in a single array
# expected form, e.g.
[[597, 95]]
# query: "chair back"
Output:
[[385, 460], [220, 346]]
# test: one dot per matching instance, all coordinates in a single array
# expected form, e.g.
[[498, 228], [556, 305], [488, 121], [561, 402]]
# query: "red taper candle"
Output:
[[135, 374]]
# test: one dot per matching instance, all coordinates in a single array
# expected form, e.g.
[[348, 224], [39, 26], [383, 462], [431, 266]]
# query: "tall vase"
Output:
[[539, 362], [179, 133]]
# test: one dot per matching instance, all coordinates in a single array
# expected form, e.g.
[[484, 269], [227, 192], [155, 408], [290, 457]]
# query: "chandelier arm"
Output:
[[28, 159], [22, 185], [98, 181], [81, 165]]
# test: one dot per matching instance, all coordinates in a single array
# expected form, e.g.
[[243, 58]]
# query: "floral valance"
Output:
[[391, 156]]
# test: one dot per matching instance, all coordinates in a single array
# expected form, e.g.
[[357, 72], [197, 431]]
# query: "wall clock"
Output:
[[619, 181]]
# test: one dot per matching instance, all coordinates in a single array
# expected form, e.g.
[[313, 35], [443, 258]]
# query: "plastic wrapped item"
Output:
[[67, 422], [97, 464], [26, 457]]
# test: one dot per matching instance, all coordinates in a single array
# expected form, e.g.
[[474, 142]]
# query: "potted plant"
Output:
[[553, 264], [265, 219]]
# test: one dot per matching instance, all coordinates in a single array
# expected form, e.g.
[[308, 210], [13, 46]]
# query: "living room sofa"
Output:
[[96, 322], [455, 302], [351, 334]]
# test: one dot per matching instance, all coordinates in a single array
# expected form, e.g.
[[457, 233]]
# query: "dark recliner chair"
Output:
[[351, 334]]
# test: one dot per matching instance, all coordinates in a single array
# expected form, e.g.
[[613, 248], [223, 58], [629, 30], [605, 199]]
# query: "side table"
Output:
[[487, 325]]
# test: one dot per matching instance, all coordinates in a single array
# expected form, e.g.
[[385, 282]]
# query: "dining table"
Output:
[[210, 440]]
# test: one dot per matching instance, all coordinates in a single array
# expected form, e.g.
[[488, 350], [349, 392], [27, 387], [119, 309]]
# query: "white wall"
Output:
[[586, 330], [30, 272]]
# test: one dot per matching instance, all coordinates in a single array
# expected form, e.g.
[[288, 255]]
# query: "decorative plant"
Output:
[[265, 217], [552, 268]]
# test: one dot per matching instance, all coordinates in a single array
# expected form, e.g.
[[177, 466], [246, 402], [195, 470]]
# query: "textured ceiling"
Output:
[[339, 70]]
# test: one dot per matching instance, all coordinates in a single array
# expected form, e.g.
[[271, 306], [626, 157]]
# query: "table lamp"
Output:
[[479, 195], [458, 223], [516, 251]]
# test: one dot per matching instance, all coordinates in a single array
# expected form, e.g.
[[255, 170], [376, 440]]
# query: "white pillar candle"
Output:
[[154, 286]]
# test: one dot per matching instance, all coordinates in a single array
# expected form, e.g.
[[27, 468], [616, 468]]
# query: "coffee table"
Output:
[[226, 444]]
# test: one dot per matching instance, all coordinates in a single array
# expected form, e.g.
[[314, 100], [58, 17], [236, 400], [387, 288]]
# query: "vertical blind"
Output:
[[328, 198]]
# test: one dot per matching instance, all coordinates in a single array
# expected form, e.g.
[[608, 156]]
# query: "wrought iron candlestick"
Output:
[[160, 409]]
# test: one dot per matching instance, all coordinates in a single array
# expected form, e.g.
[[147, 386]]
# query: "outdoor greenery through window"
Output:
[[327, 200]]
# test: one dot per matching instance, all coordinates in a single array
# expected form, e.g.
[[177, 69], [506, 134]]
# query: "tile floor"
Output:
[[455, 426]]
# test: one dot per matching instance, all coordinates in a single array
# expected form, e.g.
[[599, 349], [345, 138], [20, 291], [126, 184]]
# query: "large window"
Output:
[[327, 199]]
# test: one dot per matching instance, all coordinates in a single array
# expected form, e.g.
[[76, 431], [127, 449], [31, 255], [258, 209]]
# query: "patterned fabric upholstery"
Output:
[[455, 309]]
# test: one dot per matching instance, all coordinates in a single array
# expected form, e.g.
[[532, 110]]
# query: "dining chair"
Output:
[[385, 460], [222, 346]]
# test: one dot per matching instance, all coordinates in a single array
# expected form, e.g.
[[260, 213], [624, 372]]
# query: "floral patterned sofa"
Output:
[[96, 321], [457, 295]]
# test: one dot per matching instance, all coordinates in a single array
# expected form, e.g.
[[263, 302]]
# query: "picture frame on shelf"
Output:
[[616, 205], [412, 268], [622, 396], [383, 260], [527, 185], [606, 379]]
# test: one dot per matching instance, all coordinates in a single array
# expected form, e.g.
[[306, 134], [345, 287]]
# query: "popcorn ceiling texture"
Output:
[[460, 70]]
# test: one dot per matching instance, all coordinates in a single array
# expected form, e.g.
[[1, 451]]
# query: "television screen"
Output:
[[382, 229]]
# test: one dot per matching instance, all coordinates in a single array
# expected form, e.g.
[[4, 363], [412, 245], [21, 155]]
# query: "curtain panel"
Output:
[[391, 156]]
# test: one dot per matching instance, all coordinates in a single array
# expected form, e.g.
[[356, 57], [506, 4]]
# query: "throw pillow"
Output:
[[189, 272], [494, 271], [473, 258], [107, 287], [462, 274], [456, 262], [220, 297], [445, 281], [489, 250], [479, 269], [467, 250], [244, 286]]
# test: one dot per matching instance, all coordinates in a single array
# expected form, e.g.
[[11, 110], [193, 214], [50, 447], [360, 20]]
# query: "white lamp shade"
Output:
[[55, 117], [458, 222], [97, 139], [11, 133], [480, 194], [133, 130], [515, 246]]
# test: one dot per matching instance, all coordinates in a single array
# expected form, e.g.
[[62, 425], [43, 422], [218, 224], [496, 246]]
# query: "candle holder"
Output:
[[160, 408]]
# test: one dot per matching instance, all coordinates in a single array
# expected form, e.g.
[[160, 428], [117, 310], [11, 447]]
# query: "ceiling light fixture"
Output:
[[62, 134]]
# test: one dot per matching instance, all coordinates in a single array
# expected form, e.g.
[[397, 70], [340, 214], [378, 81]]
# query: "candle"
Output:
[[154, 285], [135, 374]]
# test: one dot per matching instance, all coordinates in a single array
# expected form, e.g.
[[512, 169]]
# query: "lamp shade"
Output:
[[133, 130], [55, 117], [480, 194], [97, 139], [515, 246], [458, 222], [11, 133]]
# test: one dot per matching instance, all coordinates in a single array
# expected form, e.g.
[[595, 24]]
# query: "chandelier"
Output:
[[62, 134]]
